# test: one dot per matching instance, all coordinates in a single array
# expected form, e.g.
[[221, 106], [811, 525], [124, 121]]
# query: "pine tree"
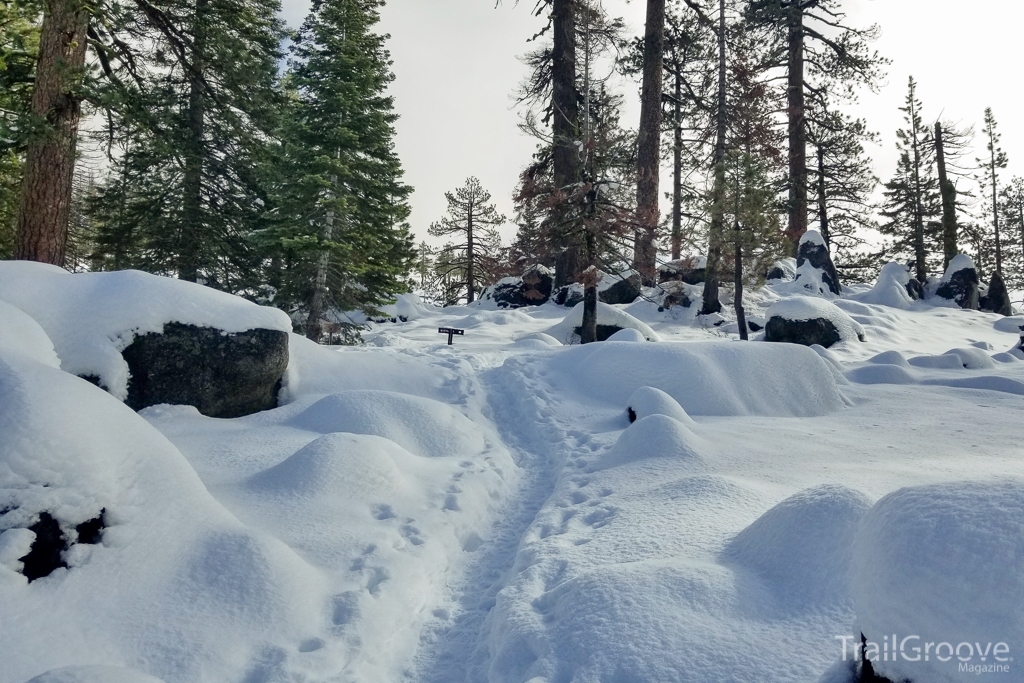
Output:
[[1012, 209], [473, 218], [649, 143], [339, 205], [191, 104], [951, 142], [913, 205], [993, 162]]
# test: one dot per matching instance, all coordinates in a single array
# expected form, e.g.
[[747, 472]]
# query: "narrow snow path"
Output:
[[456, 647]]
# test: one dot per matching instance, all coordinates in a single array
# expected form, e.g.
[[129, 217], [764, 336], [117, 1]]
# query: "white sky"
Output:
[[456, 66]]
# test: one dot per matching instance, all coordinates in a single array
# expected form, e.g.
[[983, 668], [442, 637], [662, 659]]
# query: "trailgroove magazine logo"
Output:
[[974, 658]]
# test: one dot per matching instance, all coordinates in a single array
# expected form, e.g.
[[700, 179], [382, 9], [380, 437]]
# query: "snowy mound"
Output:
[[890, 289], [890, 358], [545, 339], [419, 425], [972, 358], [485, 317], [655, 436], [705, 378], [21, 334], [1014, 325], [335, 462], [802, 547], [627, 335], [174, 585], [803, 308], [941, 564], [606, 315], [647, 401], [94, 674], [92, 317], [959, 262]]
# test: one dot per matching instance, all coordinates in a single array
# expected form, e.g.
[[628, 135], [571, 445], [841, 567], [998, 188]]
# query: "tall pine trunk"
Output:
[[920, 255], [565, 125], [797, 128], [588, 326], [648, 160], [190, 245], [948, 191], [711, 303], [677, 172], [45, 203], [995, 210], [470, 257], [823, 200]]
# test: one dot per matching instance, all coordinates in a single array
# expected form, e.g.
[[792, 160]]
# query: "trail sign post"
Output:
[[451, 332]]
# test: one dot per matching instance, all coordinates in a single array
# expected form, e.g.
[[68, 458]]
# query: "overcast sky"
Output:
[[456, 67]]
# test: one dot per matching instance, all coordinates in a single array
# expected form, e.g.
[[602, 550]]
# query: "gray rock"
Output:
[[683, 270], [806, 332], [532, 289], [915, 289], [622, 290], [815, 252], [222, 375], [963, 288], [569, 295], [997, 299], [675, 294]]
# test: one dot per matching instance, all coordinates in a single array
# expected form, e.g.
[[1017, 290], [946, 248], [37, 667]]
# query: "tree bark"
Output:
[[588, 326], [649, 144], [797, 129], [948, 191], [995, 209], [470, 289], [823, 200], [677, 171], [741, 315], [920, 257], [190, 240], [45, 203], [565, 126], [711, 303]]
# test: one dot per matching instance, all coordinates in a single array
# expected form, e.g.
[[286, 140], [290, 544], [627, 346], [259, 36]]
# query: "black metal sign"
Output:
[[451, 332]]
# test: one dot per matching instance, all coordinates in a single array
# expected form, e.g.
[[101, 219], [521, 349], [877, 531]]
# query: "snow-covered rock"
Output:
[[20, 333], [939, 568], [647, 401], [92, 317], [890, 289], [814, 267], [810, 320], [960, 283], [609, 318]]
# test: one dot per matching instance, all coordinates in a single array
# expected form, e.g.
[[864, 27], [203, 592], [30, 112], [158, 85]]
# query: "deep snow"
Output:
[[487, 512]]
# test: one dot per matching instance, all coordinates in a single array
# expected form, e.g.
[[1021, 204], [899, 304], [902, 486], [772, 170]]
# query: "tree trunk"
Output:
[[470, 289], [316, 305], [920, 257], [565, 125], [823, 200], [948, 191], [588, 327], [45, 204], [190, 245], [741, 315], [677, 172], [797, 129], [648, 159], [995, 211], [711, 303]]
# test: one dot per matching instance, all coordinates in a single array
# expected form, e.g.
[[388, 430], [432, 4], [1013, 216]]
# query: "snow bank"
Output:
[[705, 378], [177, 587], [890, 289], [802, 308], [606, 315], [959, 262], [627, 335], [19, 333], [92, 317], [420, 425], [647, 401], [942, 564], [94, 674], [652, 437], [802, 547]]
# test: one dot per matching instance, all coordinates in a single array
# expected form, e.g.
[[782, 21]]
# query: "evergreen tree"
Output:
[[339, 237], [1012, 209], [994, 161], [951, 143], [473, 218], [191, 105], [913, 205]]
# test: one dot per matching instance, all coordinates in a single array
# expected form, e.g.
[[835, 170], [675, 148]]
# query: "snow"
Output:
[[942, 564], [628, 335], [810, 308], [959, 262], [606, 315], [418, 512], [92, 317], [890, 289], [812, 237]]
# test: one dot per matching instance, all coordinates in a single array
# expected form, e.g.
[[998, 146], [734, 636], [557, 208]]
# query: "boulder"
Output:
[[532, 289], [569, 295], [222, 375], [997, 299], [915, 289], [675, 293], [692, 271], [809, 321], [782, 270], [960, 283], [814, 252], [620, 288]]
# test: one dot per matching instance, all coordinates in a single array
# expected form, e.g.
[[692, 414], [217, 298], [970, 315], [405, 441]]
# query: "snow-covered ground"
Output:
[[487, 512]]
